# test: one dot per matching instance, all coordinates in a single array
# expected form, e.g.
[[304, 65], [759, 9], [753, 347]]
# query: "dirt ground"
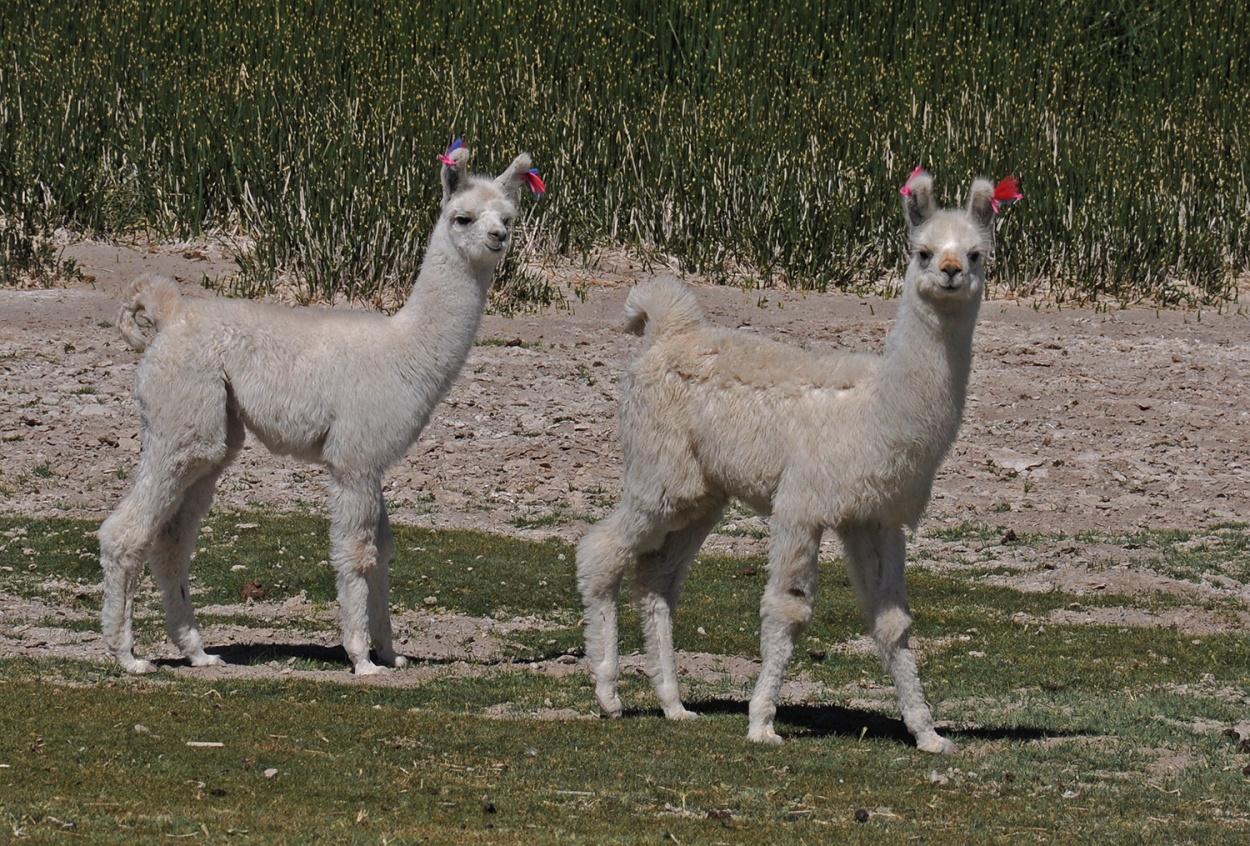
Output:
[[1077, 420]]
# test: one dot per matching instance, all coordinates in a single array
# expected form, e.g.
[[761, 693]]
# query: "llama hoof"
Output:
[[765, 735], [610, 703], [680, 713], [393, 659], [206, 660], [138, 666], [937, 745], [368, 668]]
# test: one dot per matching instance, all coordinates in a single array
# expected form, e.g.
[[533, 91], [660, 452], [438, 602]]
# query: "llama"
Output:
[[348, 390], [833, 440]]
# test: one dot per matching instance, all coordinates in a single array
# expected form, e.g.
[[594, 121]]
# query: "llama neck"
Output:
[[444, 308], [924, 373], [440, 320]]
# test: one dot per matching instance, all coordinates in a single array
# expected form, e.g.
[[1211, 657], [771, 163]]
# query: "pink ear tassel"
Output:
[[906, 189], [1006, 192]]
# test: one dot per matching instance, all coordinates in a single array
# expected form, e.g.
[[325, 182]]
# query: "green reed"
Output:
[[755, 144]]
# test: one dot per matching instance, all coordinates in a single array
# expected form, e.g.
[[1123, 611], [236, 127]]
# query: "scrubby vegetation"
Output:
[[757, 143]]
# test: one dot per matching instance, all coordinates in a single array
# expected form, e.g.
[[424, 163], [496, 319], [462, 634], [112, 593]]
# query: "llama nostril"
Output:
[[951, 269]]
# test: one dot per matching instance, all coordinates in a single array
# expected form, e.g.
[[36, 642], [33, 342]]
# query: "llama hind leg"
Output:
[[124, 539], [171, 550], [354, 554], [127, 538], [603, 556], [171, 565], [785, 612], [379, 579], [657, 588], [875, 558]]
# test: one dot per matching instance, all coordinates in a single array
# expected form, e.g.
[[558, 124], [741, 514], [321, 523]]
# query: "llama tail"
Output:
[[661, 307], [150, 301]]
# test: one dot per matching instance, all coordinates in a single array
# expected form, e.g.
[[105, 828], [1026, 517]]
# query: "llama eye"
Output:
[[974, 256], [924, 256], [462, 220], [507, 222]]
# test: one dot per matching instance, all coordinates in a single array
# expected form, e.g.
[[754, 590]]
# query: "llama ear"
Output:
[[918, 203], [981, 203], [517, 175], [455, 168]]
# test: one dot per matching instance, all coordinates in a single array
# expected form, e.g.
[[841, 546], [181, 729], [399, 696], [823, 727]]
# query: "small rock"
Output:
[[861, 815], [271, 772], [252, 589]]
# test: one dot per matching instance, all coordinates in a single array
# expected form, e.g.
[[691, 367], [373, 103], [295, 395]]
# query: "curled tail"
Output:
[[662, 306], [150, 301]]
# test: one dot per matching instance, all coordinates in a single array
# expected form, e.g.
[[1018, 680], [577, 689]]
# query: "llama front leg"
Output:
[[379, 579], [171, 565], [875, 557], [785, 612], [354, 554], [657, 588]]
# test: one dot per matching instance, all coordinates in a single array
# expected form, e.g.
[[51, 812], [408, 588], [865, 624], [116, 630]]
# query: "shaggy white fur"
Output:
[[350, 391], [816, 440]]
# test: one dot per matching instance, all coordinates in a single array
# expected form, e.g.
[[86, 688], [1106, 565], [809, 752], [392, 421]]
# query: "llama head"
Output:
[[479, 211], [948, 246]]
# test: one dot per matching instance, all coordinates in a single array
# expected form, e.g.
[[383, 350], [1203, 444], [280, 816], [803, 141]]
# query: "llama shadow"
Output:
[[798, 722], [256, 654], [253, 654]]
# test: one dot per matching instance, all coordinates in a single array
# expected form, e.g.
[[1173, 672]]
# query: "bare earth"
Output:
[[1076, 421]]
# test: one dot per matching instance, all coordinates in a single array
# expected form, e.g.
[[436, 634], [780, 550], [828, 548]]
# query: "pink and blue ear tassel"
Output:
[[535, 182], [445, 158]]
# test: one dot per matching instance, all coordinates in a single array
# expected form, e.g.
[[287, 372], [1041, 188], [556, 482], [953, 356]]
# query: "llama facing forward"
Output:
[[347, 390], [842, 441]]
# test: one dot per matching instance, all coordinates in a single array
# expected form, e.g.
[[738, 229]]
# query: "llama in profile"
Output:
[[348, 390], [848, 442]]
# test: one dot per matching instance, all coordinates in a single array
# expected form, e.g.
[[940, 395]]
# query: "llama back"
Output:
[[154, 297], [662, 306]]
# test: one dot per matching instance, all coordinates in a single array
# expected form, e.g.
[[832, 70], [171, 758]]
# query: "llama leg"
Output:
[[379, 579], [784, 613], [657, 588], [354, 554], [603, 556], [171, 565], [126, 538], [875, 558], [171, 550]]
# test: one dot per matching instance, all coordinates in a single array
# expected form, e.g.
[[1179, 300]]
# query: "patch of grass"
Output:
[[321, 763], [508, 342], [1113, 732]]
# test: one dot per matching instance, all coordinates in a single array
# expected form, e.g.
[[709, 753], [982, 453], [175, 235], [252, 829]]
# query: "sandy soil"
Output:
[[1077, 420]]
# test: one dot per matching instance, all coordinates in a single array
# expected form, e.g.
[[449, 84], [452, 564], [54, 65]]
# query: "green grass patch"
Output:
[[1112, 734]]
